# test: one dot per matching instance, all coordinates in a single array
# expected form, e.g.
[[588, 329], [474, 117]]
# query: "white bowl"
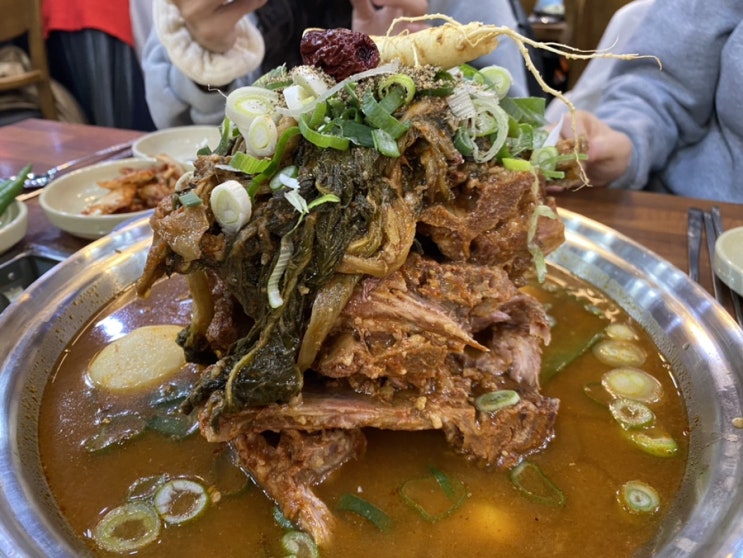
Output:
[[728, 259], [13, 225], [67, 197], [181, 143]]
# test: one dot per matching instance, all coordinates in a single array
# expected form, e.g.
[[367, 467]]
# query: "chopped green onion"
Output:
[[367, 510], [385, 143], [245, 104], [621, 331], [309, 78], [275, 299], [638, 497], [261, 137], [616, 352], [127, 528], [297, 98], [632, 383], [226, 476], [532, 482], [464, 142], [496, 400], [498, 79], [326, 198], [175, 426], [399, 81], [631, 414], [114, 430], [231, 205], [249, 164], [544, 158], [276, 160], [299, 545], [460, 103], [380, 118], [321, 140], [434, 497], [180, 500], [279, 180], [281, 520], [144, 488], [356, 132], [598, 394], [659, 445], [521, 165], [189, 199]]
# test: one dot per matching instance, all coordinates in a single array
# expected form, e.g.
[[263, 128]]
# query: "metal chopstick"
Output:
[[712, 232], [694, 240]]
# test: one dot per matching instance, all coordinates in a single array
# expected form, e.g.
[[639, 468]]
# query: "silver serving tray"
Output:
[[701, 340]]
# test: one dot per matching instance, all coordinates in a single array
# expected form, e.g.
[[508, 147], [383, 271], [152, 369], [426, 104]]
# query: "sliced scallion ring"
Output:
[[231, 205], [297, 544], [617, 352], [128, 527], [534, 484], [631, 414], [632, 383], [496, 400], [180, 500], [638, 497], [659, 445]]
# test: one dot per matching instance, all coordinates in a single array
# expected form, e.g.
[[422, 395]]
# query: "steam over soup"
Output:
[[410, 493]]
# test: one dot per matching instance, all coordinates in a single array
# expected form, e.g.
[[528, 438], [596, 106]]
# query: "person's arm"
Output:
[[663, 110], [173, 98]]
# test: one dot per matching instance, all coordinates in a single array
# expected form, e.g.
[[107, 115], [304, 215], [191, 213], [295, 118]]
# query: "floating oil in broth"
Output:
[[589, 459]]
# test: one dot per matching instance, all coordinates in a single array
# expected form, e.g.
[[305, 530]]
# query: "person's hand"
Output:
[[374, 17], [609, 151], [212, 22]]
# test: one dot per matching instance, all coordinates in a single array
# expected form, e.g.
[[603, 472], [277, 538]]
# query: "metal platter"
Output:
[[699, 338]]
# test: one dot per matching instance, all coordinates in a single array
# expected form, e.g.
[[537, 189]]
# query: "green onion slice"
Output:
[[367, 510], [384, 143], [434, 497], [249, 164], [180, 500], [378, 117], [322, 140], [231, 205], [145, 488], [659, 445], [126, 528], [534, 484], [496, 400], [616, 352], [189, 199], [638, 497], [631, 414], [632, 383], [299, 544], [401, 81]]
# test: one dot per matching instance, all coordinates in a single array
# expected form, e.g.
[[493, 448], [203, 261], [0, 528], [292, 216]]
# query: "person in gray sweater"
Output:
[[193, 56], [678, 128]]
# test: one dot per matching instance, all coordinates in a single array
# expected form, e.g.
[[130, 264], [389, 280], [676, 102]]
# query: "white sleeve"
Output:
[[200, 65]]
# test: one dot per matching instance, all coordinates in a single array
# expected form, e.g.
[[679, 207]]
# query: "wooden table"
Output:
[[657, 221]]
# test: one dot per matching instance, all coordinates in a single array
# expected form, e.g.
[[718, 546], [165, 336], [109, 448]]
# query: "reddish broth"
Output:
[[588, 460]]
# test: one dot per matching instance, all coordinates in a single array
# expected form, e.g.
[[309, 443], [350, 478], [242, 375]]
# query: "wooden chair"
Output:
[[19, 18]]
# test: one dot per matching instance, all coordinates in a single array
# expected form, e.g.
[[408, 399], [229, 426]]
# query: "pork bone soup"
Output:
[[357, 251], [427, 499]]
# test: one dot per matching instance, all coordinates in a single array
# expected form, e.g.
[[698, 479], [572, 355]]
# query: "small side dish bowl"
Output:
[[65, 199], [13, 225], [728, 259], [181, 142]]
